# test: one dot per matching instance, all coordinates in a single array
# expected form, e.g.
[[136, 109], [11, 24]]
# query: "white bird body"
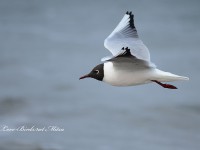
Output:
[[117, 77]]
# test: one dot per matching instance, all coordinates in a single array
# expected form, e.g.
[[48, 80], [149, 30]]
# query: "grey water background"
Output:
[[46, 45]]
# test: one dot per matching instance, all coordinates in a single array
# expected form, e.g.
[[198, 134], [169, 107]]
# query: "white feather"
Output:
[[125, 36], [123, 77]]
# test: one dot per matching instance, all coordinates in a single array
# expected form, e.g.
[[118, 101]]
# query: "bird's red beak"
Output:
[[85, 76]]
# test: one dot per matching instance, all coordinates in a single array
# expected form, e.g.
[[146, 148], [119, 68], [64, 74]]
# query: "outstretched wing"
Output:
[[125, 35]]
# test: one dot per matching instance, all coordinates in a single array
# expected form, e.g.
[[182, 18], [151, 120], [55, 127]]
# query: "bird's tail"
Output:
[[163, 76]]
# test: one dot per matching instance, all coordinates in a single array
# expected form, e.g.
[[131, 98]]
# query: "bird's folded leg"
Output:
[[169, 86]]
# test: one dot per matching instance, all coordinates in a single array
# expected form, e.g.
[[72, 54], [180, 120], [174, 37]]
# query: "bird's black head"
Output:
[[96, 73]]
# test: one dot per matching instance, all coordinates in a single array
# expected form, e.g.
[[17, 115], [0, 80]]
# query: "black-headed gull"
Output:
[[130, 61]]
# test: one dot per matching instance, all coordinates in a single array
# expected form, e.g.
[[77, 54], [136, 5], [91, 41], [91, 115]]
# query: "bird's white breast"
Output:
[[124, 77]]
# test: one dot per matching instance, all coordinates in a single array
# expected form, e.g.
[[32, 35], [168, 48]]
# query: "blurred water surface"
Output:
[[45, 46]]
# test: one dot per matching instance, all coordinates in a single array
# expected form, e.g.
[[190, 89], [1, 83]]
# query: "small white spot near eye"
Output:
[[97, 71]]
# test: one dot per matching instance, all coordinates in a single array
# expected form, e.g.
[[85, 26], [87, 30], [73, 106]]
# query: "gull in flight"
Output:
[[130, 62]]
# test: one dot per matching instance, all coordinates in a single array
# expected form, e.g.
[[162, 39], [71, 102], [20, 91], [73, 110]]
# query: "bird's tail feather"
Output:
[[163, 76]]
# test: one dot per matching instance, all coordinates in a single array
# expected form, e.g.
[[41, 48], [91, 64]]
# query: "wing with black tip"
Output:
[[125, 35]]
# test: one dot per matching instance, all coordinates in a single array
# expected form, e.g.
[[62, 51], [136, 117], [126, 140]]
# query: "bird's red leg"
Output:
[[169, 86]]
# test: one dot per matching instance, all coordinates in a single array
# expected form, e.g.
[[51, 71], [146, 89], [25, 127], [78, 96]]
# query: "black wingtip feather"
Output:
[[132, 21], [131, 16], [126, 53], [129, 12]]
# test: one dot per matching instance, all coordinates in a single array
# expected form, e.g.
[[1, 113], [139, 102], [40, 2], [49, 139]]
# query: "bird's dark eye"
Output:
[[96, 71]]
